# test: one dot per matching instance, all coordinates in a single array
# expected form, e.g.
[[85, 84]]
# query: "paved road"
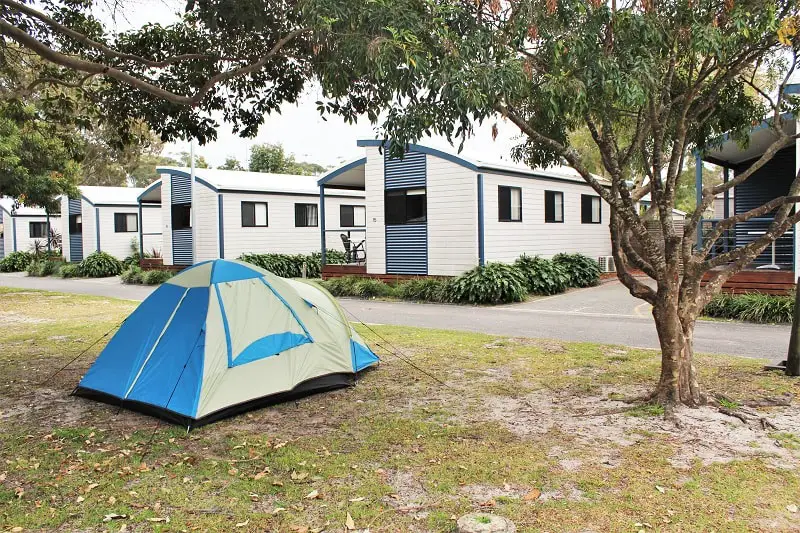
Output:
[[605, 314]]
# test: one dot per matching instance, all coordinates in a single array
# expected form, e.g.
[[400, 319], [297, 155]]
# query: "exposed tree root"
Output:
[[670, 416], [749, 417], [642, 398]]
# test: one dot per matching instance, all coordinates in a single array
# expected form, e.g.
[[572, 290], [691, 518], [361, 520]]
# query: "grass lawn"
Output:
[[529, 429]]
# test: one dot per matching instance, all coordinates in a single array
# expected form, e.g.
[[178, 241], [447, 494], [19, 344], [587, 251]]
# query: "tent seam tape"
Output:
[[155, 345], [228, 341]]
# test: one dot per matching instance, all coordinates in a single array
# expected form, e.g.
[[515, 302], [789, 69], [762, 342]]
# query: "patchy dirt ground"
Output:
[[529, 429]]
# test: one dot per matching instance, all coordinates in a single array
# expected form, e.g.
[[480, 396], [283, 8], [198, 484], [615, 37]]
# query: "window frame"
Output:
[[36, 223], [255, 223], [404, 192], [352, 207], [554, 194], [510, 189], [305, 217], [75, 227], [125, 216], [591, 198]]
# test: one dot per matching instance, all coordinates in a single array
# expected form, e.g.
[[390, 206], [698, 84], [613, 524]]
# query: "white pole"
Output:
[[192, 210]]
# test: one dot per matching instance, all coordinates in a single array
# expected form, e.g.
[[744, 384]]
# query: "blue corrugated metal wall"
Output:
[[75, 239], [181, 187], [406, 244], [768, 182]]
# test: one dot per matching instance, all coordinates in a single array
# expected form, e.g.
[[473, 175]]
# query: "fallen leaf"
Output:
[[791, 508], [79, 499], [114, 516], [90, 487], [277, 483], [259, 475], [532, 495], [112, 500], [299, 476], [349, 523], [354, 500], [16, 529], [299, 529], [242, 524], [313, 495], [661, 489], [279, 510], [164, 519]]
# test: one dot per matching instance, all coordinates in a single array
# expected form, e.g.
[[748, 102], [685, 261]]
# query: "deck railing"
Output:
[[777, 256], [333, 241]]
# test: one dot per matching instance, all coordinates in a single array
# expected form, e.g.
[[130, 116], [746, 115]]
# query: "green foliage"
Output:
[[155, 277], [185, 159], [371, 288], [70, 270], [291, 266], [273, 159], [582, 271], [425, 290], [491, 284], [43, 267], [16, 262], [753, 307], [343, 286], [231, 163], [100, 265], [131, 275], [542, 276]]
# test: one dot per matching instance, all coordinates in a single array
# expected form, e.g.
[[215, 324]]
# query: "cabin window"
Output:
[[255, 215], [591, 209], [305, 215], [553, 206], [406, 206], [181, 216], [509, 204], [75, 224], [352, 216], [126, 222], [38, 230]]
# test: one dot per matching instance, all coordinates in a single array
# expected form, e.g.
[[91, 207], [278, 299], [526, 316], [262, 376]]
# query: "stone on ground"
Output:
[[485, 523]]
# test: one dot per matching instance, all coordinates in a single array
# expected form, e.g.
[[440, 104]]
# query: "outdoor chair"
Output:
[[354, 252]]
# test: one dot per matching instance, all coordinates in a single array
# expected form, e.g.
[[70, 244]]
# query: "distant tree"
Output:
[[144, 173], [231, 163], [184, 159], [112, 161], [272, 158]]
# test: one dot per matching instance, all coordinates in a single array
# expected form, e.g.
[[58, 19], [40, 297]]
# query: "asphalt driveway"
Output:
[[606, 314]]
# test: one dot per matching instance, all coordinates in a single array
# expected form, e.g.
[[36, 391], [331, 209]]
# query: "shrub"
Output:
[[490, 284], [70, 270], [16, 262], [131, 260], [425, 290], [581, 271], [43, 268], [101, 265], [542, 276], [291, 266], [155, 277], [344, 286], [131, 275], [753, 307], [370, 288]]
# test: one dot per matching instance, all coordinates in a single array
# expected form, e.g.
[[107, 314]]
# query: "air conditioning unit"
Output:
[[607, 263]]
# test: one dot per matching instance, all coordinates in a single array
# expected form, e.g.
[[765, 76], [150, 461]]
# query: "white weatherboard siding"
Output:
[[376, 228], [151, 229], [117, 244], [24, 241], [206, 221], [89, 221], [505, 241], [166, 218], [281, 235], [452, 217]]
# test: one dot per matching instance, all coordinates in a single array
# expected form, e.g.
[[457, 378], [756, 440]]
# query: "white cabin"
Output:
[[239, 212], [435, 213], [22, 227], [109, 219]]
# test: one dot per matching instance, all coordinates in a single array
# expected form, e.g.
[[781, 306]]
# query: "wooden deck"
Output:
[[763, 281]]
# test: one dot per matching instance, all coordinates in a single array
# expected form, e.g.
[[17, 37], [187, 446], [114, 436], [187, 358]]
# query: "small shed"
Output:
[[21, 227], [109, 219], [432, 212], [238, 212]]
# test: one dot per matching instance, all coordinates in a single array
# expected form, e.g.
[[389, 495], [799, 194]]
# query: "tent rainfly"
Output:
[[223, 337]]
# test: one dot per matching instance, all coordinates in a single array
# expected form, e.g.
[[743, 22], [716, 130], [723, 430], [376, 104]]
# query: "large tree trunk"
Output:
[[678, 382]]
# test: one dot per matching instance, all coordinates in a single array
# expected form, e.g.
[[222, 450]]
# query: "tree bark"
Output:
[[675, 326]]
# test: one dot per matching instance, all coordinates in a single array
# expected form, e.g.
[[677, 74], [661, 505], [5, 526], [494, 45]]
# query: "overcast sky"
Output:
[[299, 127]]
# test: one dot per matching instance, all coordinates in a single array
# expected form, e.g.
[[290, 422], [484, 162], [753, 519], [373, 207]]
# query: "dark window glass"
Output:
[[553, 206], [254, 215], [352, 216], [509, 204], [305, 215], [75, 224], [591, 209], [181, 216], [126, 222], [407, 206], [38, 230]]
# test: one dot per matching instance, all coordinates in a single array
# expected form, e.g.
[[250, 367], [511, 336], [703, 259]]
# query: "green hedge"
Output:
[[16, 262], [44, 267], [100, 265], [134, 275], [542, 276], [291, 266], [755, 307], [491, 284], [581, 271]]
